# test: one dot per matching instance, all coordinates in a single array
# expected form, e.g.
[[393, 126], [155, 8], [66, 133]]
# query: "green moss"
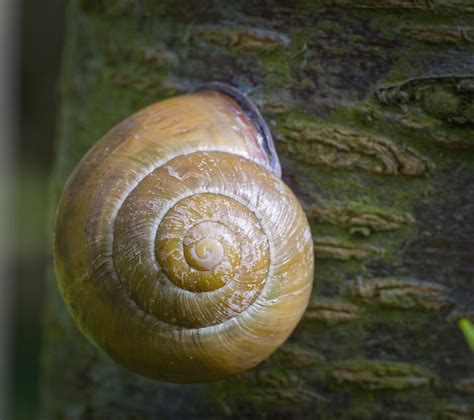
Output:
[[468, 112], [442, 103], [375, 375]]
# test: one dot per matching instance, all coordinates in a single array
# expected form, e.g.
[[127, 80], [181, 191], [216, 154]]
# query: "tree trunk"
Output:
[[371, 105]]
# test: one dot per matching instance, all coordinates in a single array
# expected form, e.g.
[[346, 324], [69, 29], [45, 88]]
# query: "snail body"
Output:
[[178, 249]]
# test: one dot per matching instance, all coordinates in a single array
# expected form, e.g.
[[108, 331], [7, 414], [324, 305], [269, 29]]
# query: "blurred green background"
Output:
[[41, 33]]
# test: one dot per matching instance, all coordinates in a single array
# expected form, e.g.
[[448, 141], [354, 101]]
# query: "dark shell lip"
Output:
[[264, 135]]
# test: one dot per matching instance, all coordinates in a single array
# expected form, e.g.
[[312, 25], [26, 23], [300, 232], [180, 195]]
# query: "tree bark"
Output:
[[371, 105]]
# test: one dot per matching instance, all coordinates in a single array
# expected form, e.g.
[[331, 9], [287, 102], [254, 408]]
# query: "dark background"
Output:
[[40, 37]]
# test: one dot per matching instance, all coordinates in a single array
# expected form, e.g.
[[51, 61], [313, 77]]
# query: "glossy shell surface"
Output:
[[178, 249]]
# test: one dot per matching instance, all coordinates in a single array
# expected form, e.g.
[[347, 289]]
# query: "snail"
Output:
[[178, 249]]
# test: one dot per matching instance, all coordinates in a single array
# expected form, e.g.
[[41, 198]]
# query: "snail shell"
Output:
[[178, 249]]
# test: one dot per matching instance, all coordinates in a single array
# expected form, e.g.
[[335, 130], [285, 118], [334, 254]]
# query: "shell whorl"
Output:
[[178, 250]]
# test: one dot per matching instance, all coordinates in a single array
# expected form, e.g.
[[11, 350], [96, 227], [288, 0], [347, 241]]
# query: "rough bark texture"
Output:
[[372, 106]]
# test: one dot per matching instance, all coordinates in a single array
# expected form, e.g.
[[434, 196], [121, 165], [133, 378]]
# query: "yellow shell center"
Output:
[[199, 241], [204, 254]]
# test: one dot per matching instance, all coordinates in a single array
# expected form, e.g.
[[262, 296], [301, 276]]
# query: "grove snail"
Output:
[[178, 249]]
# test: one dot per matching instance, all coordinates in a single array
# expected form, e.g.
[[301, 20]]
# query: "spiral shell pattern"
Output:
[[179, 252]]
